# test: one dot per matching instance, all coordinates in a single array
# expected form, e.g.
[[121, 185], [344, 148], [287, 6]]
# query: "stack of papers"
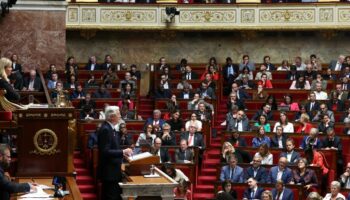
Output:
[[38, 194]]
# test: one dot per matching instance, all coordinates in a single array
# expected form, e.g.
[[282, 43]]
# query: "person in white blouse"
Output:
[[284, 66], [300, 84], [193, 122], [267, 157], [335, 192], [287, 126]]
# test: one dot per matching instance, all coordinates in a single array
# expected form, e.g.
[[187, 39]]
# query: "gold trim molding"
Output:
[[316, 16]]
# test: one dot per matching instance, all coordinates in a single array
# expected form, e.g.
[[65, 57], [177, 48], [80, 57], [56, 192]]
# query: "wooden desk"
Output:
[[146, 187], [71, 186]]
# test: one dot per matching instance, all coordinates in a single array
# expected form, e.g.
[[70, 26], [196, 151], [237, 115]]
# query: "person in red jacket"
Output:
[[265, 82]]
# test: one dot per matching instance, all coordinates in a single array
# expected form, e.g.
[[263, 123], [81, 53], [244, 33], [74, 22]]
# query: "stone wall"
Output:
[[37, 37], [146, 47]]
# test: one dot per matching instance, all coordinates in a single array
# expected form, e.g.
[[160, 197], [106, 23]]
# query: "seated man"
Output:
[[238, 122], [281, 192], [279, 139], [155, 121], [51, 84], [157, 149], [127, 79], [168, 137], [320, 95], [33, 82], [6, 186], [280, 172], [312, 140], [206, 92], [256, 171], [266, 110], [202, 113], [253, 191], [345, 177], [291, 155], [323, 109], [231, 171], [101, 93], [183, 154], [193, 137]]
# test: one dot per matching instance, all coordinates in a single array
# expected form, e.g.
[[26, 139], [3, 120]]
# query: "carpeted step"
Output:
[[89, 196], [85, 180], [206, 180], [86, 188], [82, 171], [202, 196], [208, 171], [204, 189], [78, 163]]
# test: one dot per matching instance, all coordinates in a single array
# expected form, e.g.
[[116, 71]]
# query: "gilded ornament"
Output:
[[45, 142]]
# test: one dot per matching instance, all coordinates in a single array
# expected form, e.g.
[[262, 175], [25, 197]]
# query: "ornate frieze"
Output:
[[247, 16], [128, 16], [88, 15], [287, 15], [344, 14], [207, 16]]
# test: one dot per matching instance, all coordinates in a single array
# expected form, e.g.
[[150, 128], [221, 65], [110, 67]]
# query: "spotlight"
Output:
[[171, 12]]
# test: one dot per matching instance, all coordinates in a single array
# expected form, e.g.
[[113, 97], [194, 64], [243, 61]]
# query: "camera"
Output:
[[171, 12]]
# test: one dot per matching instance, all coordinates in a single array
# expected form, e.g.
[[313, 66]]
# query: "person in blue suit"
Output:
[[254, 191], [231, 171], [256, 171], [280, 192], [291, 155], [156, 121], [280, 172]]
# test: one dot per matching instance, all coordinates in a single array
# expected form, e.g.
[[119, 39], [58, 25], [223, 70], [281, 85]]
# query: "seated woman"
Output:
[[267, 157], [263, 122], [226, 150], [128, 91], [316, 158], [126, 101], [176, 122], [261, 138], [335, 192], [175, 174], [172, 105], [302, 110], [300, 84], [266, 195], [305, 124], [288, 101], [284, 66], [52, 69], [265, 82], [304, 176], [182, 191], [147, 137], [271, 100], [184, 83], [212, 71], [227, 188], [260, 94], [245, 72], [193, 122], [287, 126], [110, 75]]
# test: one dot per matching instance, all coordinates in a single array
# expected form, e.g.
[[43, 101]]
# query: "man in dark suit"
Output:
[[268, 64], [333, 142], [156, 120], [279, 139], [280, 172], [282, 193], [135, 74], [110, 155], [231, 171], [342, 94], [337, 65], [345, 177], [202, 113], [241, 94], [230, 71], [291, 155], [183, 154], [159, 151], [186, 93], [107, 64], [193, 137], [102, 93], [266, 110], [92, 65], [206, 92], [345, 85], [240, 123], [6, 186], [312, 105], [16, 67], [254, 191], [189, 74], [33, 82], [256, 171]]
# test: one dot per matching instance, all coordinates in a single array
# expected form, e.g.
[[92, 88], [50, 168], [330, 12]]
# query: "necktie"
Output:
[[188, 76], [252, 194], [311, 105], [190, 139], [278, 196], [232, 174], [344, 87]]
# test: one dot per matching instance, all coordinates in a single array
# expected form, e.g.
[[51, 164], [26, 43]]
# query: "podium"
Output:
[[45, 145]]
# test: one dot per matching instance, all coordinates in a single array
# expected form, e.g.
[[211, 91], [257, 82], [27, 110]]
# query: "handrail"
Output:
[[48, 98]]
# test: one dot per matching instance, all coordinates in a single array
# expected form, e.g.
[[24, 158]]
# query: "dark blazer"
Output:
[[225, 72], [8, 187], [83, 102], [287, 194], [340, 105], [180, 155], [239, 103], [198, 140], [88, 66], [232, 123], [168, 141], [241, 142], [164, 154], [286, 176], [182, 94], [247, 193], [335, 143], [194, 75], [18, 67], [37, 83], [104, 66], [333, 64], [322, 128], [270, 67], [294, 158], [316, 107], [110, 153], [261, 174], [150, 121], [136, 73], [206, 114], [11, 94], [274, 141], [259, 112], [210, 92], [243, 95]]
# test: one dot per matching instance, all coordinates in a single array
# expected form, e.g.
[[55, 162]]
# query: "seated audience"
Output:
[[174, 173], [345, 177], [287, 126], [300, 84], [342, 95], [203, 113], [317, 159], [164, 88], [226, 150], [253, 191], [246, 72], [186, 93], [329, 75], [323, 110], [227, 188], [314, 196], [305, 126], [168, 137], [267, 157], [240, 92], [182, 191], [268, 64], [210, 74], [320, 95], [134, 73], [52, 69], [234, 101], [176, 122], [266, 111], [319, 79], [51, 84], [125, 137], [291, 155], [311, 140], [280, 172], [312, 106], [88, 113], [33, 82], [92, 64], [155, 120], [184, 83], [293, 74], [110, 76], [304, 176], [246, 62], [189, 74], [271, 100], [256, 171], [126, 101], [108, 63], [236, 140], [101, 93], [261, 138], [262, 121], [160, 151], [206, 92], [300, 112], [238, 122], [333, 142], [260, 94], [71, 84], [147, 137], [184, 154], [288, 102], [193, 122], [334, 103], [193, 105], [193, 138], [172, 104], [87, 101], [262, 71], [266, 195], [279, 139], [78, 93], [230, 71], [335, 192], [299, 64], [127, 79], [265, 82], [309, 73], [325, 124], [91, 82], [281, 192], [232, 171], [284, 66]]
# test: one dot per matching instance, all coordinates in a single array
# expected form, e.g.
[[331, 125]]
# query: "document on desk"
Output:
[[140, 156], [35, 195]]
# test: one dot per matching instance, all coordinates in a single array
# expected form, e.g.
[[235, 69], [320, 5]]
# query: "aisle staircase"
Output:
[[84, 180], [211, 160]]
